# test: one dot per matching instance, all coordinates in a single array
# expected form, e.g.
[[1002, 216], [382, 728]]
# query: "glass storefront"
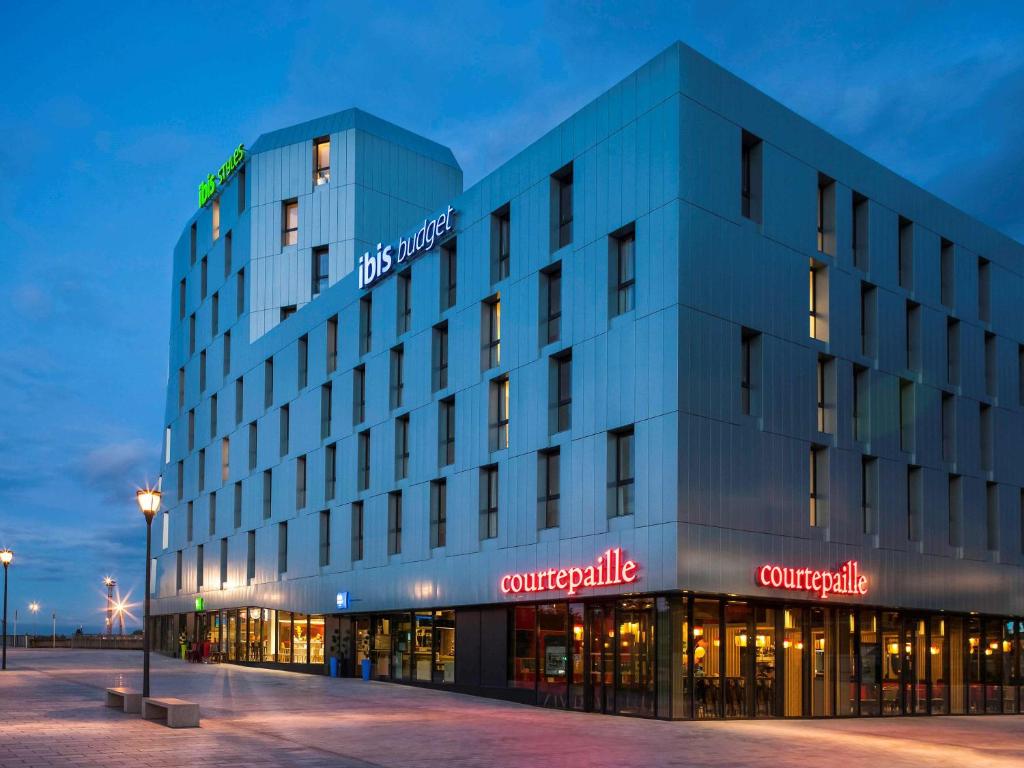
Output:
[[672, 656]]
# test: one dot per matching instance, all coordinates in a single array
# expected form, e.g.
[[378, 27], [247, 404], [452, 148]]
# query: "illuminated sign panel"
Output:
[[609, 571], [342, 601], [208, 186], [847, 580], [372, 268], [200, 605]]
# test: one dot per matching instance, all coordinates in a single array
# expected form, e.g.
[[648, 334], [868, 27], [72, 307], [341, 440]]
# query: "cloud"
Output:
[[114, 469]]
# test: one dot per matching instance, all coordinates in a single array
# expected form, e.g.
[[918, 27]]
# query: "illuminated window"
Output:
[[290, 222], [818, 300], [216, 219], [322, 160]]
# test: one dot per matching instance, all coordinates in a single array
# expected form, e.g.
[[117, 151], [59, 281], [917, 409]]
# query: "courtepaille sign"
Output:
[[610, 570], [846, 580]]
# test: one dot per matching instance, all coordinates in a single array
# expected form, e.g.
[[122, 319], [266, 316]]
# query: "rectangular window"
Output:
[[289, 222], [948, 427], [404, 303], [302, 354], [253, 444], [268, 383], [956, 511], [397, 376], [288, 311], [826, 215], [750, 371], [358, 394], [320, 269], [192, 333], [212, 510], [818, 300], [201, 466], [202, 371], [905, 254], [241, 189], [363, 457], [191, 429], [325, 537], [227, 355], [182, 294], [953, 351], [869, 494], [868, 326], [332, 345], [223, 562], [623, 271], [826, 387], [200, 567], [621, 479], [906, 416], [357, 531], [285, 429], [282, 547], [561, 208], [913, 336], [501, 250], [491, 324], [560, 393], [239, 400], [446, 431], [915, 503], [203, 277], [991, 361], [992, 515], [401, 448], [551, 304], [192, 243], [861, 404], [225, 459], [250, 557], [365, 325], [1022, 521], [395, 523], [750, 176], [326, 410], [985, 428], [440, 355], [947, 273], [489, 502], [438, 513], [499, 407], [859, 232], [181, 387], [300, 482], [189, 520], [236, 506], [228, 247], [181, 479], [240, 292], [984, 290], [330, 471], [549, 487], [1020, 374], [268, 493], [449, 275], [322, 160], [178, 569], [818, 481]]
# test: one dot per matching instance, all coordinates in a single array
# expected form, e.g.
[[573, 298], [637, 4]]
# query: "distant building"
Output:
[[689, 410]]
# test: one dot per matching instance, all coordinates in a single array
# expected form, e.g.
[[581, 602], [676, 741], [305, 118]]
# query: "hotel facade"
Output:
[[688, 410]]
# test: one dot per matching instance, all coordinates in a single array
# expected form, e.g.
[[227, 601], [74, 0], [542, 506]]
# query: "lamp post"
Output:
[[34, 608], [149, 503], [6, 556], [110, 583]]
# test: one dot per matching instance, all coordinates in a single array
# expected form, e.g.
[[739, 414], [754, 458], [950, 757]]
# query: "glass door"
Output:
[[765, 690], [600, 644], [635, 645]]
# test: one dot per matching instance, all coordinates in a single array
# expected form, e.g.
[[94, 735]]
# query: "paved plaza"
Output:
[[52, 714]]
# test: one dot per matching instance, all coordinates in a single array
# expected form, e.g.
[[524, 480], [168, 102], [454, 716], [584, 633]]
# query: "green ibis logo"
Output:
[[208, 186]]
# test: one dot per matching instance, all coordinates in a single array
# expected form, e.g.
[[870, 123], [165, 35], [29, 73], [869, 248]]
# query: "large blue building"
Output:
[[689, 410]]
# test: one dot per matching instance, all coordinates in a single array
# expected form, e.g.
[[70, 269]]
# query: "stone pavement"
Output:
[[52, 714]]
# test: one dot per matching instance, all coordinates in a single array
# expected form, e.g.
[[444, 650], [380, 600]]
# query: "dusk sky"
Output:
[[108, 119]]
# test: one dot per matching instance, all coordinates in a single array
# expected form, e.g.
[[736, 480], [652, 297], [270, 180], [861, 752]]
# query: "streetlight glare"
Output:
[[149, 500], [6, 556], [34, 607]]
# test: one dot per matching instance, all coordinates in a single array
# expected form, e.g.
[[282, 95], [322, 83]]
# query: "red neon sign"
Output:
[[848, 580], [609, 571]]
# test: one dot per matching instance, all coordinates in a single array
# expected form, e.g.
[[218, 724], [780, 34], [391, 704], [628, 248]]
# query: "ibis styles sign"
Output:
[[208, 186]]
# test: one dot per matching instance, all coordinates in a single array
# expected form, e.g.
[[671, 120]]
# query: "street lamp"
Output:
[[6, 556], [149, 503]]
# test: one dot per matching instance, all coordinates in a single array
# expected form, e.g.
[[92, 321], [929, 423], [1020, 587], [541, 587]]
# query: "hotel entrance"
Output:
[[620, 658]]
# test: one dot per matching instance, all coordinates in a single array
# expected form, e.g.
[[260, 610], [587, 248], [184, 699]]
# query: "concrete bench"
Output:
[[125, 699], [175, 713]]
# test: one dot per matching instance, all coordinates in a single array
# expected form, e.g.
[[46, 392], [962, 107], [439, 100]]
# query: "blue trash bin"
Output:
[[334, 666], [366, 669]]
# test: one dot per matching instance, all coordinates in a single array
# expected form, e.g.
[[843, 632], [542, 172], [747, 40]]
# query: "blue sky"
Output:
[[110, 116]]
